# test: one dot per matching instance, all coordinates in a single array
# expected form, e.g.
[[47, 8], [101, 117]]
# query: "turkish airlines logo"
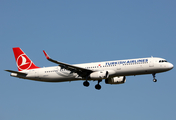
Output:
[[23, 62]]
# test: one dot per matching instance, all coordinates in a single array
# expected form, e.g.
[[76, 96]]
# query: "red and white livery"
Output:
[[113, 72]]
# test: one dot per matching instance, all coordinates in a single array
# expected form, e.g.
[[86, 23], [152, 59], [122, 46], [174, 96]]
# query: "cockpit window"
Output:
[[161, 61]]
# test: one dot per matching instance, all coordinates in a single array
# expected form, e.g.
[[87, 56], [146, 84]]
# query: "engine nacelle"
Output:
[[116, 80], [99, 75]]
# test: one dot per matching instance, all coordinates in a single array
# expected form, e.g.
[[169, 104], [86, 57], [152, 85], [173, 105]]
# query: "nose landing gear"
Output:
[[154, 79]]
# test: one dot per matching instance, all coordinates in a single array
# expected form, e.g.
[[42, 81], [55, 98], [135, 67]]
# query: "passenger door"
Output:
[[151, 62]]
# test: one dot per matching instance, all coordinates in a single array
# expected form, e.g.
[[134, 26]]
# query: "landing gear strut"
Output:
[[154, 80], [98, 86], [86, 83]]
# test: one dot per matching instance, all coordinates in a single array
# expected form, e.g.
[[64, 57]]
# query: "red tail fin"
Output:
[[22, 60]]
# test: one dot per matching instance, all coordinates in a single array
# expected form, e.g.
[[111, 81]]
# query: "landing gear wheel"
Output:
[[98, 87], [86, 83], [154, 80]]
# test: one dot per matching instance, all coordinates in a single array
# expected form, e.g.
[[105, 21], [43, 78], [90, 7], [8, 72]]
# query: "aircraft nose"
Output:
[[170, 65]]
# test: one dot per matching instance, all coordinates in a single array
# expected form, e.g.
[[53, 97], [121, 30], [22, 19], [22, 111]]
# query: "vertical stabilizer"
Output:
[[22, 60]]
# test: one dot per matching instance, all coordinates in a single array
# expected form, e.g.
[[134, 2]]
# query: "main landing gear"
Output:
[[86, 83], [97, 86], [154, 80]]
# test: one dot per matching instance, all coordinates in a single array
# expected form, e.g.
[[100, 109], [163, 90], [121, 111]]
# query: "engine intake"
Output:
[[116, 80]]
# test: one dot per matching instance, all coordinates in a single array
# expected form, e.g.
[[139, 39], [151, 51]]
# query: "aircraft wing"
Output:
[[74, 69]]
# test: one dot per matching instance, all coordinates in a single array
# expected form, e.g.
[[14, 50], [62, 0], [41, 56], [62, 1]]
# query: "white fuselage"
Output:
[[115, 68]]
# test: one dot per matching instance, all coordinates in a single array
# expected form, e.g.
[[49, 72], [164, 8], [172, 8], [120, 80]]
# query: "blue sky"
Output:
[[81, 32]]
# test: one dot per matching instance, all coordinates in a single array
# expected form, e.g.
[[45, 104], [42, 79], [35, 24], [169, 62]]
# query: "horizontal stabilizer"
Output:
[[16, 72]]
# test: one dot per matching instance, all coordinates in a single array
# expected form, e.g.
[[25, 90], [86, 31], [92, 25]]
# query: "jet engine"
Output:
[[99, 75], [116, 80]]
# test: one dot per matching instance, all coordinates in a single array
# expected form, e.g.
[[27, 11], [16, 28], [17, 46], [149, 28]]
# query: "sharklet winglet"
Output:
[[46, 55]]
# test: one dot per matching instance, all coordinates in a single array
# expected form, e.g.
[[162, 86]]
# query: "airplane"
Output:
[[113, 72]]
